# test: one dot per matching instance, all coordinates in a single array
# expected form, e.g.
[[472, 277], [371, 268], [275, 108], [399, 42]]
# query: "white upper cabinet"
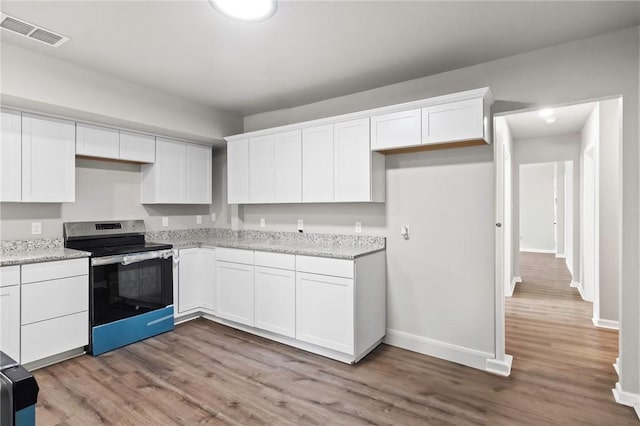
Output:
[[181, 174], [261, 166], [10, 157], [352, 161], [137, 147], [287, 159], [48, 159], [395, 129], [198, 174], [454, 121], [317, 164], [97, 141], [238, 172]]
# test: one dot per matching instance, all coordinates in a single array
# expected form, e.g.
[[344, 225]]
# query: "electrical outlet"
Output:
[[262, 222], [213, 217], [358, 227], [36, 228], [300, 225], [165, 221], [198, 219]]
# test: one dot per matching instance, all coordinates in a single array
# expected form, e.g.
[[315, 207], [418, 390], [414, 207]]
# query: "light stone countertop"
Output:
[[37, 255]]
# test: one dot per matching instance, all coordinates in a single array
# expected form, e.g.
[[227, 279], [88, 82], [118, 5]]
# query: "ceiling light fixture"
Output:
[[547, 112], [246, 10], [550, 120]]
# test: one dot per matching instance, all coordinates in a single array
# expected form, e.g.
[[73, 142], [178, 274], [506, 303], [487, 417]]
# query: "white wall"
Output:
[[589, 218], [569, 216], [580, 70], [609, 211], [536, 207], [106, 190]]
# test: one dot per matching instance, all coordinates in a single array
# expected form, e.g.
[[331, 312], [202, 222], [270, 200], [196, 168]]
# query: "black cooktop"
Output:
[[126, 249]]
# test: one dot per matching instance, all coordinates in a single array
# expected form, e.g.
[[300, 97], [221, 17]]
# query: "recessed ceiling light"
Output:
[[246, 10], [550, 120], [544, 113]]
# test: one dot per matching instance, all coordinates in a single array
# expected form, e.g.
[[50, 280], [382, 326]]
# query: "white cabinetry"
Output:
[[238, 172], [48, 159], [261, 169], [10, 311], [317, 164], [396, 129], [49, 329], [137, 147], [287, 159], [453, 121], [97, 141], [196, 282], [275, 293], [234, 283], [11, 156], [180, 175]]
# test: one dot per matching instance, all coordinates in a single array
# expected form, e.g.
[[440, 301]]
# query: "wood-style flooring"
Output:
[[205, 373]]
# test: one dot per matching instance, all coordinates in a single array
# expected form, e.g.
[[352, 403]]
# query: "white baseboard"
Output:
[[637, 408], [512, 286], [532, 250], [447, 351], [625, 398], [560, 256], [616, 366], [578, 285], [603, 323], [574, 284], [501, 368]]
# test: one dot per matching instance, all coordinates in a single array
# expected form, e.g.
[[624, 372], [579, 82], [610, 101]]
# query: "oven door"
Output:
[[124, 286]]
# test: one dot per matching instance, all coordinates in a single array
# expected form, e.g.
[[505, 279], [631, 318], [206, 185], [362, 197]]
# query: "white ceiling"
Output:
[[569, 119], [309, 51]]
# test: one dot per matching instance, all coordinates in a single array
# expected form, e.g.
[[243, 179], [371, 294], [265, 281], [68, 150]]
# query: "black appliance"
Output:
[[131, 282], [18, 394]]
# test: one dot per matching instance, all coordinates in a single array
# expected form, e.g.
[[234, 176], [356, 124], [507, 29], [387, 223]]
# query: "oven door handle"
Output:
[[128, 259]]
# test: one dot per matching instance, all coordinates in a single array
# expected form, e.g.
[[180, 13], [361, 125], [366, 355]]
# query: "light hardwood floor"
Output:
[[207, 373]]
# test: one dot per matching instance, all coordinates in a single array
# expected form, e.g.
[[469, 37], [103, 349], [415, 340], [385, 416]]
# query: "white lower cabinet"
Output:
[[325, 311], [10, 321], [53, 328], [275, 300], [234, 294], [196, 280]]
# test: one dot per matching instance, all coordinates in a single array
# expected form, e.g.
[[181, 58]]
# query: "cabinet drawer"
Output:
[[235, 255], [275, 260], [325, 266], [54, 270], [9, 275], [50, 299], [52, 337]]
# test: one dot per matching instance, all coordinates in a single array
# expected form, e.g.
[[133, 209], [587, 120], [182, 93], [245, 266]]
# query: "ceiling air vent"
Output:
[[31, 31]]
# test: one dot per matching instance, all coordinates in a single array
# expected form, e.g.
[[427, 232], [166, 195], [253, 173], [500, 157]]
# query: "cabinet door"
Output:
[[395, 130], [261, 169], [317, 164], [234, 296], [198, 184], [190, 280], [455, 121], [97, 141], [238, 172], [352, 161], [137, 147], [208, 274], [55, 336], [287, 157], [48, 159], [10, 157], [324, 311], [170, 173], [275, 300], [10, 321]]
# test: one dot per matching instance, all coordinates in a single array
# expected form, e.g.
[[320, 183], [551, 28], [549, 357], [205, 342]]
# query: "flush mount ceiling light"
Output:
[[547, 112], [246, 10]]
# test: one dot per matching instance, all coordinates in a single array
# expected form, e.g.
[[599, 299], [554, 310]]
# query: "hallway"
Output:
[[556, 347]]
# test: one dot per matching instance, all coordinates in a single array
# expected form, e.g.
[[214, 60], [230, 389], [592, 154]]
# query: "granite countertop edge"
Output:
[[24, 257]]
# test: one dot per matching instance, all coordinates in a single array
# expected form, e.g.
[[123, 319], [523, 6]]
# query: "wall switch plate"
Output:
[[36, 228], [358, 227], [198, 219], [262, 222], [165, 221], [213, 217], [300, 225]]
